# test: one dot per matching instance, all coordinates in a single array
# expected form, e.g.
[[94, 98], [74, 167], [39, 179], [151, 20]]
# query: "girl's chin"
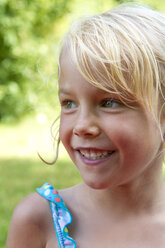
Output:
[[96, 184]]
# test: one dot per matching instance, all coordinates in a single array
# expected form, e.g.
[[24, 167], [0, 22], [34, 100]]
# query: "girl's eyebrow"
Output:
[[64, 91]]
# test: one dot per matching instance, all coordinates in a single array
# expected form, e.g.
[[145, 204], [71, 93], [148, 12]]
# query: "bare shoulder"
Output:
[[31, 206], [29, 222]]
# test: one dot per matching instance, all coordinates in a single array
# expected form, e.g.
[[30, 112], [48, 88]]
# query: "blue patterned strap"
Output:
[[61, 215]]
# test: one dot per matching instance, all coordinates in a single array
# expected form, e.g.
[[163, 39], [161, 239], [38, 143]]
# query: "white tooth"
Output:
[[83, 152], [87, 155], [93, 158], [92, 154]]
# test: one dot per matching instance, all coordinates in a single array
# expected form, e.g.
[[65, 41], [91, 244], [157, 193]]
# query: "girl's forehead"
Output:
[[69, 75], [65, 59]]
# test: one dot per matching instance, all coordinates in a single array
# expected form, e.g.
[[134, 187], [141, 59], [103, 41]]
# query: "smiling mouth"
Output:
[[94, 155]]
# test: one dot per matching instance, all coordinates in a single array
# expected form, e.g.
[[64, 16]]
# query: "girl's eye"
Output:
[[110, 103], [68, 104]]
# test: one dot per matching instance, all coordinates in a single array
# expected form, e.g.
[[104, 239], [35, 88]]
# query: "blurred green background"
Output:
[[29, 34]]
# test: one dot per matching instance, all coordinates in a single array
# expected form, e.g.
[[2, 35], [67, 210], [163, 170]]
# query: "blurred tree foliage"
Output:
[[24, 24]]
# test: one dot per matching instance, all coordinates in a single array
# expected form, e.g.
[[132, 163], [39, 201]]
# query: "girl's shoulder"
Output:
[[31, 219], [31, 209]]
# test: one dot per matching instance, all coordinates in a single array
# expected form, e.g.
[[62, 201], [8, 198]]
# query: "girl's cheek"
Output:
[[64, 132]]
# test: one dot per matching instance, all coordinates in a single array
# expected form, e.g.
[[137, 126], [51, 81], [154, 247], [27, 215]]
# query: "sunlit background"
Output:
[[29, 36]]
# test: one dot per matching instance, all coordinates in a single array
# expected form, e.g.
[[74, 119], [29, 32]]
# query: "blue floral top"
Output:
[[61, 215]]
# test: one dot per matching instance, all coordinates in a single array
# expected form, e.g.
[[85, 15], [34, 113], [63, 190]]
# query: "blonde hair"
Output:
[[122, 51]]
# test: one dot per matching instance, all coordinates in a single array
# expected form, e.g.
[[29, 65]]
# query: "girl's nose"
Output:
[[86, 128]]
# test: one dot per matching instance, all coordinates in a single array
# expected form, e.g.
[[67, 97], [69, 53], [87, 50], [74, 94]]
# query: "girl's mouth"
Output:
[[95, 156]]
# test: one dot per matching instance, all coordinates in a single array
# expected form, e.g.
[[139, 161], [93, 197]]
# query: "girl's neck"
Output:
[[145, 195]]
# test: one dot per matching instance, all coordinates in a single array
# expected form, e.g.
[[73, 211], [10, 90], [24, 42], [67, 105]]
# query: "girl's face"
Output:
[[110, 143]]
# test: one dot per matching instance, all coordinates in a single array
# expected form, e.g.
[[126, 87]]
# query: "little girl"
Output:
[[112, 124]]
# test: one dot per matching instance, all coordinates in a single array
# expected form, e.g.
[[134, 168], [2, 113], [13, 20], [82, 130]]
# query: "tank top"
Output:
[[60, 214]]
